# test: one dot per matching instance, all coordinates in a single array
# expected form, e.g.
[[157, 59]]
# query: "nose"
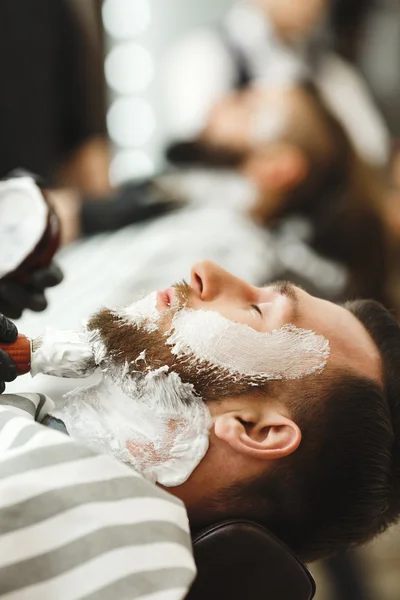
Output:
[[210, 281]]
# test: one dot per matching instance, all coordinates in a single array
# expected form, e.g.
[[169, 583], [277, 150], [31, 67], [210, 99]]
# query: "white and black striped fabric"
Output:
[[79, 525]]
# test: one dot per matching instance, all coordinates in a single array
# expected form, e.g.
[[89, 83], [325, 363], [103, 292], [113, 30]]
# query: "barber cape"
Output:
[[76, 524]]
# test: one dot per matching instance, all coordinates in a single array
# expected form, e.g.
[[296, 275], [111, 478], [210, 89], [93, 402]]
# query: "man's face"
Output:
[[293, 19], [244, 120], [224, 336], [271, 308], [241, 350], [239, 439]]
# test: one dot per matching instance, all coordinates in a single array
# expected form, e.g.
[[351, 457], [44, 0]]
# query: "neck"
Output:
[[155, 424]]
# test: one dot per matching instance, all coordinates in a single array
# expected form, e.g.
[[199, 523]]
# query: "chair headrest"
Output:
[[194, 153], [239, 560]]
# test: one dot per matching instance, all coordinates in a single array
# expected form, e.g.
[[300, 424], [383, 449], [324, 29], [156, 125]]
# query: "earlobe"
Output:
[[271, 438]]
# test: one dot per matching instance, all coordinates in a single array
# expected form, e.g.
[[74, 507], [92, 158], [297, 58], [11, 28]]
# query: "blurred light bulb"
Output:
[[130, 121], [130, 164], [129, 68], [126, 18]]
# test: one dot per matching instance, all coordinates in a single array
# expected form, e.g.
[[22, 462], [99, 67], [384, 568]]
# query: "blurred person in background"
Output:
[[262, 41], [52, 115], [290, 144], [279, 152], [271, 153], [392, 203], [367, 32]]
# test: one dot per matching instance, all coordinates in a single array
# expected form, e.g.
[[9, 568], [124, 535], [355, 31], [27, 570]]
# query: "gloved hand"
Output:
[[16, 297], [8, 368], [195, 153], [134, 203]]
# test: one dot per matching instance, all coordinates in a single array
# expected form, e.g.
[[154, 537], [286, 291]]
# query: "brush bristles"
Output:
[[36, 343]]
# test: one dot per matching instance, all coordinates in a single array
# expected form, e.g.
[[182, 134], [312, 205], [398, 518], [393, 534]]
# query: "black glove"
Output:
[[8, 368], [16, 297], [192, 154], [131, 204]]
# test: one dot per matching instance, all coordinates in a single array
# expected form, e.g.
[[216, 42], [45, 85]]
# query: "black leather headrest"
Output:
[[240, 560], [194, 153]]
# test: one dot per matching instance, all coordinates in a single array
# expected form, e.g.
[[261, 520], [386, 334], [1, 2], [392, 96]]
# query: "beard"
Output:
[[141, 411], [133, 351]]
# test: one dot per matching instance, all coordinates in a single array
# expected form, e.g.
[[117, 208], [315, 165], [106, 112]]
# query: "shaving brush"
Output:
[[21, 352], [57, 353]]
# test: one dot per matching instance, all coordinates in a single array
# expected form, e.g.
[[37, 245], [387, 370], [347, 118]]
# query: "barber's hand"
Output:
[[16, 297], [8, 368]]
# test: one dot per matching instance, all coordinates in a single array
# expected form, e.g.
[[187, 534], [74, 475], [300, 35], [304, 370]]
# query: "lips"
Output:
[[165, 298]]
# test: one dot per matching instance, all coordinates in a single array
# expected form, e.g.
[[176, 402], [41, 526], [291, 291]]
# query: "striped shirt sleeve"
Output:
[[79, 525]]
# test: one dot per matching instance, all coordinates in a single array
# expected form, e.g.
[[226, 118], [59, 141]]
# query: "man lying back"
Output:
[[264, 403]]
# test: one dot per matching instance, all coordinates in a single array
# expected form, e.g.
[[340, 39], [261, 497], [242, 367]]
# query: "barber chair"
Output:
[[240, 560]]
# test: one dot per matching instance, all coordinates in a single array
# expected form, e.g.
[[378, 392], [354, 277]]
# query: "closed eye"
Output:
[[257, 309]]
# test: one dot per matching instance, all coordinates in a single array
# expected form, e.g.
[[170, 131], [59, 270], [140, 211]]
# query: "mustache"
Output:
[[182, 295]]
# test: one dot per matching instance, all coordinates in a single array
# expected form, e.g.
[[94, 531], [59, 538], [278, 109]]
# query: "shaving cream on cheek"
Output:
[[285, 353]]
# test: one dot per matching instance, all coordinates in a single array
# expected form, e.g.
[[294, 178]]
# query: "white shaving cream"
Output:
[[285, 353], [23, 218], [153, 422], [142, 313], [63, 354], [161, 428]]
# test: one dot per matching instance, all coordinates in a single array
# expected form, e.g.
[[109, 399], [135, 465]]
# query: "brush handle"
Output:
[[20, 351]]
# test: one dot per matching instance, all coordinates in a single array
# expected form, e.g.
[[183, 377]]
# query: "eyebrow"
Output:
[[288, 289]]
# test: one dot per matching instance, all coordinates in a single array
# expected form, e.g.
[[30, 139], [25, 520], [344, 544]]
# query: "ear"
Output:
[[265, 436], [279, 169]]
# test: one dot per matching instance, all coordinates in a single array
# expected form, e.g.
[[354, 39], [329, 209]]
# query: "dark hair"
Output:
[[347, 20], [342, 485], [342, 197], [329, 152]]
